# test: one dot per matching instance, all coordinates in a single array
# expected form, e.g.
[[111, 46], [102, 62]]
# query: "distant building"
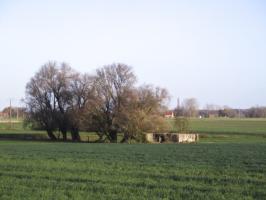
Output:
[[16, 112], [3, 115], [169, 114]]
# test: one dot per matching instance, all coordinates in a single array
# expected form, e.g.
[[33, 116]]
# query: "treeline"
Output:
[[108, 102], [190, 108], [253, 112]]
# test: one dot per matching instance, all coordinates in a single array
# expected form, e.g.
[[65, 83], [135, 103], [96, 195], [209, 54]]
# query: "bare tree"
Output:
[[82, 98], [112, 84], [190, 107], [60, 87], [40, 99], [56, 97]]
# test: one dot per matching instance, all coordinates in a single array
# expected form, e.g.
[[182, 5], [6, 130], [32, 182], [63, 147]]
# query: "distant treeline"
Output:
[[189, 108], [253, 112]]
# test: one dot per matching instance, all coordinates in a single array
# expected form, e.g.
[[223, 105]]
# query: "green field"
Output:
[[229, 162], [229, 126], [13, 126], [210, 130], [43, 170]]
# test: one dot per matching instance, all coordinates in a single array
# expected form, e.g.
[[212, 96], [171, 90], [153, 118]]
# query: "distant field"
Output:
[[229, 126], [216, 126], [43, 170], [4, 125], [211, 130]]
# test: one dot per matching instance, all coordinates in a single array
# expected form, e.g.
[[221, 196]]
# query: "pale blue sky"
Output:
[[212, 50]]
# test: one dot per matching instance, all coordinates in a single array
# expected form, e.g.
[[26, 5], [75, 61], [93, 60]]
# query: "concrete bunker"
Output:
[[172, 137]]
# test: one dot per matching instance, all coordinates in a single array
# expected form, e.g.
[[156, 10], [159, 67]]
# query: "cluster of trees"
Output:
[[58, 98]]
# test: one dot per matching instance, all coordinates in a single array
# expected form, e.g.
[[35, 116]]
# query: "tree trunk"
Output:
[[125, 138], [64, 133], [51, 135], [113, 136], [63, 129], [75, 134]]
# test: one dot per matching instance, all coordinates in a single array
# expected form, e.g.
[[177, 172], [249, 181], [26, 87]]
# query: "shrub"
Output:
[[181, 124]]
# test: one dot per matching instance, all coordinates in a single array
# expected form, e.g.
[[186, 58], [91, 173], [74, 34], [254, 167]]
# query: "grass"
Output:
[[215, 126], [13, 126], [229, 126], [43, 170], [229, 162], [228, 130]]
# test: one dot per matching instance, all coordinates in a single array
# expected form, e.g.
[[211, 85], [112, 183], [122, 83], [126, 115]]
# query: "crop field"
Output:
[[229, 126], [229, 162], [4, 125], [44, 170]]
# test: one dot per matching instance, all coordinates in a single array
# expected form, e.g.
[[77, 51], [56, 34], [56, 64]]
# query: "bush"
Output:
[[181, 124]]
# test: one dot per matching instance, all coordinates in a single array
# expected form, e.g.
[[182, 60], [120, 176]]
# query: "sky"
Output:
[[212, 50]]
